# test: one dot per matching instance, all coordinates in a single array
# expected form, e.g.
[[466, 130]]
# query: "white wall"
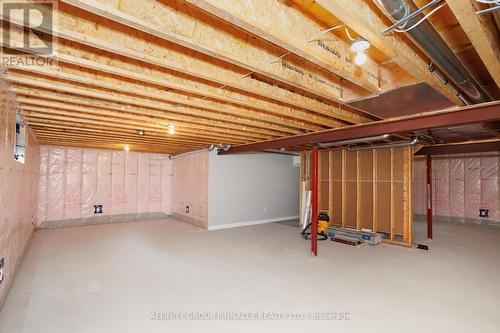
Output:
[[251, 188]]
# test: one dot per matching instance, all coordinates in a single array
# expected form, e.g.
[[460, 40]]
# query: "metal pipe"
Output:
[[408, 17], [410, 143], [488, 10], [282, 152], [314, 210], [429, 196], [354, 141], [428, 38]]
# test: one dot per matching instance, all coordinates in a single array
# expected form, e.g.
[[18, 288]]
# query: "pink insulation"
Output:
[[73, 180], [190, 187], [462, 185], [18, 193]]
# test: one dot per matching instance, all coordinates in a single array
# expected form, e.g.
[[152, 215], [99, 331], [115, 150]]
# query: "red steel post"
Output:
[[429, 196], [314, 188]]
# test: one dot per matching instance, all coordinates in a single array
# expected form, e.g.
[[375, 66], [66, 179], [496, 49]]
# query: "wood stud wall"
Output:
[[367, 189]]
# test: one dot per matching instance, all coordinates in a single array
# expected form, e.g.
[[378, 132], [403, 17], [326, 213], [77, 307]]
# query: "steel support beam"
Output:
[[471, 114], [314, 210], [429, 196], [461, 148]]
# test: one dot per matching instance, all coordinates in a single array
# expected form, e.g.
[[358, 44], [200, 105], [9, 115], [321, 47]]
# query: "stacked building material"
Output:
[[363, 236]]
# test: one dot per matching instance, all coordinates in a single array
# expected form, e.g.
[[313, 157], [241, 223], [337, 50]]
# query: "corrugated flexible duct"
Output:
[[428, 38]]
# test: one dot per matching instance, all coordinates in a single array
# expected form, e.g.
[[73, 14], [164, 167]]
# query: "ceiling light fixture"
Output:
[[141, 132], [359, 46], [126, 148], [171, 129]]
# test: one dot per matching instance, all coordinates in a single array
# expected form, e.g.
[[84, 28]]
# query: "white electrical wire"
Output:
[[492, 2], [348, 34], [422, 19], [324, 32]]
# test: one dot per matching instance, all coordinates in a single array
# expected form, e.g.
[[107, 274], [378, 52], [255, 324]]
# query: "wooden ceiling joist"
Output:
[[211, 96], [278, 23], [367, 23], [481, 32], [242, 124], [269, 121], [110, 120], [130, 43], [197, 31], [245, 73], [43, 114], [142, 120], [165, 118]]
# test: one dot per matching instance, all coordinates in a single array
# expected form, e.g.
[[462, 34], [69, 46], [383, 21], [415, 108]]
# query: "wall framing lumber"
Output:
[[481, 32], [369, 182]]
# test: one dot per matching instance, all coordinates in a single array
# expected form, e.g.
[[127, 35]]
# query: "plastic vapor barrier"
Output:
[[73, 181], [462, 186]]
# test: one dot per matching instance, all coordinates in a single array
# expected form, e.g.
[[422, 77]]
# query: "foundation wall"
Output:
[[73, 180], [461, 184], [190, 188], [18, 194]]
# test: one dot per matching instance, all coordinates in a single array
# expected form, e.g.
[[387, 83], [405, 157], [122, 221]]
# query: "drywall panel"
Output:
[[252, 188], [18, 193], [74, 180]]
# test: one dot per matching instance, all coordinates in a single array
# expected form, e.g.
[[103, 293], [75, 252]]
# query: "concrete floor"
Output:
[[111, 278]]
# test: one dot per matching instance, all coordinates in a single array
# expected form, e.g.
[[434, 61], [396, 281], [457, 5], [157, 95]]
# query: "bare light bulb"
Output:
[[360, 58], [171, 129], [126, 148]]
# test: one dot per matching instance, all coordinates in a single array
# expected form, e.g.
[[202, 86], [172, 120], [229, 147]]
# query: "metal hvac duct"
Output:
[[428, 38]]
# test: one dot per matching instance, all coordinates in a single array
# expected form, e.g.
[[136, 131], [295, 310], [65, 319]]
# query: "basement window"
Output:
[[20, 140]]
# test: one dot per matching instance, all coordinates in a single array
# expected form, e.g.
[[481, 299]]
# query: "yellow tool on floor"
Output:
[[323, 222]]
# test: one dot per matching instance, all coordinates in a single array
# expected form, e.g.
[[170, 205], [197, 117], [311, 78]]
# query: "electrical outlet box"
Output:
[[2, 269], [187, 209], [97, 209]]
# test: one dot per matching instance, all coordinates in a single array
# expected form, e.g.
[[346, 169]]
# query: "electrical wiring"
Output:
[[492, 2], [313, 38], [348, 34], [422, 19]]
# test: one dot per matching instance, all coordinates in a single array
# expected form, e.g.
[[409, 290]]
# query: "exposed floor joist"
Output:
[[482, 34], [362, 19]]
